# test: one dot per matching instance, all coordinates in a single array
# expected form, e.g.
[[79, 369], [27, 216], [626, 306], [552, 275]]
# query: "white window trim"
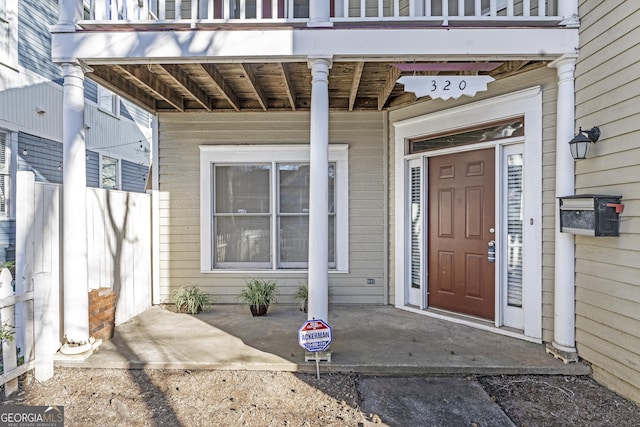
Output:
[[115, 102], [527, 103], [8, 172], [9, 22], [209, 154], [118, 171]]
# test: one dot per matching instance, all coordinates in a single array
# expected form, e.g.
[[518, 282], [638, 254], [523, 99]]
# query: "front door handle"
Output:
[[491, 251]]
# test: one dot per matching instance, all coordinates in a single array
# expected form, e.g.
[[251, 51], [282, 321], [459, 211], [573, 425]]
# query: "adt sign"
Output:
[[314, 335]]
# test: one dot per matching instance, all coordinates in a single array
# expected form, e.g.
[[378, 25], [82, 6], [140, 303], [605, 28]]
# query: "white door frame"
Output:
[[528, 104]]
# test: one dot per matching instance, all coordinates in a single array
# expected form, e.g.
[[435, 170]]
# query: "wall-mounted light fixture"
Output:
[[581, 143], [25, 151]]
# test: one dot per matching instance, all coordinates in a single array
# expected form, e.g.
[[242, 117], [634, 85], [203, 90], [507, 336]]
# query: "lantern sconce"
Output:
[[581, 143]]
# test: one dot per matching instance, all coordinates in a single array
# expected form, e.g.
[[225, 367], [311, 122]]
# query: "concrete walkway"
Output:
[[366, 339]]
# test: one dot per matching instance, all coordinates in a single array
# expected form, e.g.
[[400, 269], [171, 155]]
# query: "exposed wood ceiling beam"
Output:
[[151, 81], [227, 92], [124, 88], [390, 83], [183, 79], [287, 85], [508, 68], [255, 85], [355, 84]]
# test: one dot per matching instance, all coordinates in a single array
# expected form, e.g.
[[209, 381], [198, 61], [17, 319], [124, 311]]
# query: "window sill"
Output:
[[274, 272]]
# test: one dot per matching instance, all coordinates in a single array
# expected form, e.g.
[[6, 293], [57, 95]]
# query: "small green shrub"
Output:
[[302, 296], [259, 292], [191, 299]]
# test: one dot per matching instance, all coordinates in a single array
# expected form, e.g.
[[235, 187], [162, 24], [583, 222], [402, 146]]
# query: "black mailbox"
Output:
[[591, 214]]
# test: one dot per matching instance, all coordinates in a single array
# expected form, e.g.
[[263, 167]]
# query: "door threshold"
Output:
[[472, 321]]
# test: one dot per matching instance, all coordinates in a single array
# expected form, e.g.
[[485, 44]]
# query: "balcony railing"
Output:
[[196, 13]]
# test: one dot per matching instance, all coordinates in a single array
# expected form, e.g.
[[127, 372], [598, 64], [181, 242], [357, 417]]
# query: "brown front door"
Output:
[[461, 222]]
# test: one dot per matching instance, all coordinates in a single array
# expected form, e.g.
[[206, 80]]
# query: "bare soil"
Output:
[[113, 397]]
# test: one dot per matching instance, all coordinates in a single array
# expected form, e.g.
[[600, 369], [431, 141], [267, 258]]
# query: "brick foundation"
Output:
[[102, 313]]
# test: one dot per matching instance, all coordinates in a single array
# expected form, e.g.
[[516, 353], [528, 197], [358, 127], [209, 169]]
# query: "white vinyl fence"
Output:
[[118, 257]]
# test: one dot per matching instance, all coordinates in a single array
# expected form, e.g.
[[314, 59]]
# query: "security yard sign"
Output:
[[314, 335]]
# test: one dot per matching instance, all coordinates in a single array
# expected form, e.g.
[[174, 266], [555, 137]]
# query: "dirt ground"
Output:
[[112, 397]]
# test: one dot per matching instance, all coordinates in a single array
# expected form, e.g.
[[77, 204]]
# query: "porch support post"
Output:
[[69, 12], [568, 10], [564, 345], [319, 191], [74, 205], [319, 14]]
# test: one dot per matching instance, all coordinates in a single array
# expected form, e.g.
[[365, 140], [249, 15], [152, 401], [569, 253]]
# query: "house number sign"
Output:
[[445, 87]]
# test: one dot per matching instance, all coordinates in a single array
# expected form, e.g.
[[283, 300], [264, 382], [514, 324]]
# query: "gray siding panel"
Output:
[[607, 269], [134, 176], [91, 90], [7, 240], [93, 169], [43, 158], [34, 39]]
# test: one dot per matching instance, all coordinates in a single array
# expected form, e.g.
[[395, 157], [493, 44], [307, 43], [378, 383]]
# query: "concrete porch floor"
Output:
[[368, 339]]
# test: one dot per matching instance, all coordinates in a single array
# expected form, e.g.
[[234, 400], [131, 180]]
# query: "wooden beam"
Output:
[[287, 85], [355, 84], [146, 77], [123, 87], [255, 85], [183, 79], [392, 77], [508, 68], [227, 92]]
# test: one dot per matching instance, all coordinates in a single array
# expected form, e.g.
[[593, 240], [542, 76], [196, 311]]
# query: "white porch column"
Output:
[[69, 11], [564, 345], [74, 205], [568, 10], [319, 14], [319, 191]]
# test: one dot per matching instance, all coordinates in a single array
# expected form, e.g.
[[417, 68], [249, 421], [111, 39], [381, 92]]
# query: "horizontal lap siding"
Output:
[[180, 135], [607, 269]]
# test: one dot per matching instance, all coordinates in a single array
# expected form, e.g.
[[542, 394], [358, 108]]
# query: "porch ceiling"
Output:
[[278, 86]]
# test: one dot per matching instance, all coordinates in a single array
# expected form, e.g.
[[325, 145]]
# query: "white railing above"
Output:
[[441, 12]]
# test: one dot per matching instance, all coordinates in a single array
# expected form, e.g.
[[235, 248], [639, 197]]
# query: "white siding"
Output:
[[607, 269], [180, 134], [33, 105]]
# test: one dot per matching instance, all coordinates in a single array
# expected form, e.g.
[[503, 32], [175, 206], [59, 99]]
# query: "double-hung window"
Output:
[[255, 207]]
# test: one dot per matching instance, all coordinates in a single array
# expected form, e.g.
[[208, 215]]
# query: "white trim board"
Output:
[[209, 154]]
